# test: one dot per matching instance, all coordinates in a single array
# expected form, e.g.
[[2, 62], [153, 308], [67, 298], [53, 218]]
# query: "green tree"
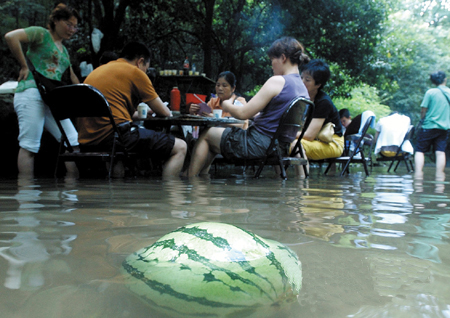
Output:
[[409, 51]]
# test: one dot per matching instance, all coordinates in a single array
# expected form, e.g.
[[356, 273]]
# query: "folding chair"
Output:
[[297, 116], [82, 100], [353, 158], [401, 155]]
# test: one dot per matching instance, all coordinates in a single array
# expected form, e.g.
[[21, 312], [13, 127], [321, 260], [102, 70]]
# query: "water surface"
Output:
[[374, 246]]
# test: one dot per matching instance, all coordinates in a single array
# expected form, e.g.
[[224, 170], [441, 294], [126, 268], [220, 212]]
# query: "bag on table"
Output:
[[130, 134], [44, 84], [326, 133]]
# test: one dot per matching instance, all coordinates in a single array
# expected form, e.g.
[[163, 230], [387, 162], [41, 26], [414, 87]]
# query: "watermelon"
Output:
[[213, 270]]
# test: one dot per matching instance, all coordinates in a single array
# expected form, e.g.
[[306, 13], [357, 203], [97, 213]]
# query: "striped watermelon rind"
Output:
[[213, 269]]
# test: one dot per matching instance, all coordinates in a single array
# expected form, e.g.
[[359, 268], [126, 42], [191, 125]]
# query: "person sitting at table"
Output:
[[125, 84], [315, 75], [50, 58], [271, 101], [351, 125], [225, 89]]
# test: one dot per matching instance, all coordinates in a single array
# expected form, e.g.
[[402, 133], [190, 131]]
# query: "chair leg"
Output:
[[260, 168], [396, 166], [305, 170], [329, 166], [390, 166], [365, 168]]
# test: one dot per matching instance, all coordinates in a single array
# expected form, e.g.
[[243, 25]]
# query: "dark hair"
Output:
[[344, 112], [108, 56], [135, 50], [229, 77], [291, 48], [437, 78], [319, 70], [61, 12]]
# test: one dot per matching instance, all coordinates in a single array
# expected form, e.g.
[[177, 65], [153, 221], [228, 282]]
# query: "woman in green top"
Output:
[[50, 58]]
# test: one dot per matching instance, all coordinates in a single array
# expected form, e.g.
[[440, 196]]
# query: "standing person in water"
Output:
[[435, 115], [271, 101], [50, 58]]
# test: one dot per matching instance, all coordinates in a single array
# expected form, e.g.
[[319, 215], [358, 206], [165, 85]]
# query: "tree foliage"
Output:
[[411, 48], [221, 35]]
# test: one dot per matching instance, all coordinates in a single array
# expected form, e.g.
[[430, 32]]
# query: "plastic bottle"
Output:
[[175, 99], [193, 68]]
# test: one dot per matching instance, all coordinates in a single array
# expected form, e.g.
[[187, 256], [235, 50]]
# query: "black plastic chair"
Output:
[[297, 116], [348, 159], [82, 100], [400, 155]]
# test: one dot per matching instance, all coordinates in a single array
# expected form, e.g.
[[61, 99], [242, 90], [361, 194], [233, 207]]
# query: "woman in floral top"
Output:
[[51, 59]]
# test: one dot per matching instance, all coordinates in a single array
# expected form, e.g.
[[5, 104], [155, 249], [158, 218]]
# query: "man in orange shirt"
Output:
[[125, 84]]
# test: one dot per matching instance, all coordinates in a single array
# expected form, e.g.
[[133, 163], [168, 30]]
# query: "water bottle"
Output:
[[175, 99]]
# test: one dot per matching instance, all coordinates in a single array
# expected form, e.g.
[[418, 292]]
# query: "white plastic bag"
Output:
[[96, 37]]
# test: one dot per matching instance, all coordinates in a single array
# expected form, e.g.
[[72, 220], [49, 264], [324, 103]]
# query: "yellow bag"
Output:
[[326, 133]]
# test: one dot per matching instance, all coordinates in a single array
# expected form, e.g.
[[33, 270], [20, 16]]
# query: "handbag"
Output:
[[44, 84], [326, 133]]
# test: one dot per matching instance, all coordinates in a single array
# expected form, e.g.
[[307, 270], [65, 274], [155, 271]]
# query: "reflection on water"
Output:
[[370, 247]]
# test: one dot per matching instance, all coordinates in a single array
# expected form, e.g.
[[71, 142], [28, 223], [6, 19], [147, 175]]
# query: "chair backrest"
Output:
[[296, 117], [78, 100], [363, 133], [408, 136]]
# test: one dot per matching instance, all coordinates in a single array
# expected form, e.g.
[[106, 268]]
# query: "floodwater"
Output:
[[374, 246]]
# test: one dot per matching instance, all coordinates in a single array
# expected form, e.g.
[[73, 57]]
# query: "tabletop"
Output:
[[192, 120]]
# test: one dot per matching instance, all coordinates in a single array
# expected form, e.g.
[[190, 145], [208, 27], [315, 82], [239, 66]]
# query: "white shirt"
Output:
[[392, 130]]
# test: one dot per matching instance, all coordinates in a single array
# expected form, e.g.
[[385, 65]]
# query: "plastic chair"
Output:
[[401, 155], [353, 157], [82, 100], [297, 116]]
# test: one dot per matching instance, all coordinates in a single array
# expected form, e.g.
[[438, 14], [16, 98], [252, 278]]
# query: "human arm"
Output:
[[14, 39], [158, 107], [73, 77], [270, 89], [423, 112], [313, 129]]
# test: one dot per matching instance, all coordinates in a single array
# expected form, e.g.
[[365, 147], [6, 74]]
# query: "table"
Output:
[[190, 120]]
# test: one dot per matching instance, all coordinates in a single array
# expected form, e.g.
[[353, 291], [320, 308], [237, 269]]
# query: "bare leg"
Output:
[[208, 163], [299, 170], [173, 166], [71, 167], [419, 161], [440, 164], [205, 149], [25, 163]]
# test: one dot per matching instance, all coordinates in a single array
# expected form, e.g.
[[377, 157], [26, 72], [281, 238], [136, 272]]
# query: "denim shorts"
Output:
[[436, 137], [237, 143], [33, 115]]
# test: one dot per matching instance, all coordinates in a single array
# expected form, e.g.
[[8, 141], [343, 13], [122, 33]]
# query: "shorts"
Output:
[[237, 143], [427, 137], [33, 115], [318, 150], [157, 145]]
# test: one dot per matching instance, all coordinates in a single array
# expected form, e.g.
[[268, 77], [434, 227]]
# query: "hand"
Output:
[[204, 114], [193, 109], [23, 73]]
